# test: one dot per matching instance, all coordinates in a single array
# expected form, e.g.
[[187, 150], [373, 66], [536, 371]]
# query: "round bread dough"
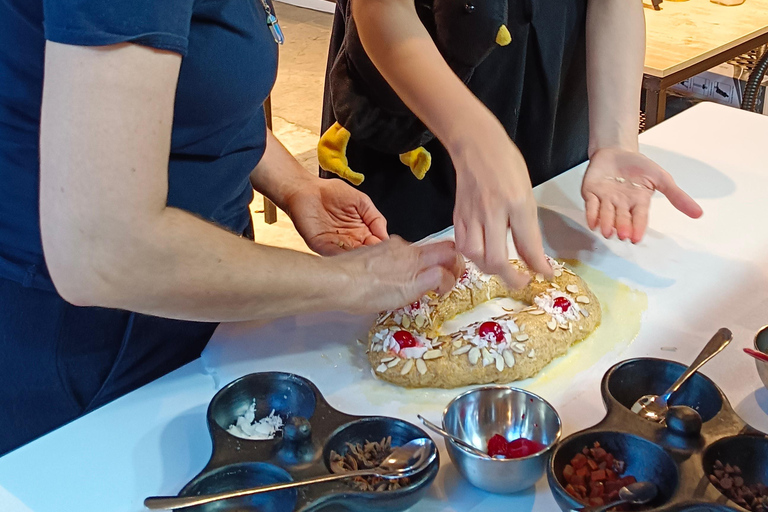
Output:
[[559, 313]]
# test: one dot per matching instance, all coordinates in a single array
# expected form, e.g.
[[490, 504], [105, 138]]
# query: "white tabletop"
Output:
[[696, 275]]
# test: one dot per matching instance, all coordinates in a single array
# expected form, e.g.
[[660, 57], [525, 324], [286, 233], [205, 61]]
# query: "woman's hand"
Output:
[[494, 194], [333, 217], [617, 189], [394, 273]]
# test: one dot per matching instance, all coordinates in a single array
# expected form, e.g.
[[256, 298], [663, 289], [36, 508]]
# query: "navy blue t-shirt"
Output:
[[219, 130]]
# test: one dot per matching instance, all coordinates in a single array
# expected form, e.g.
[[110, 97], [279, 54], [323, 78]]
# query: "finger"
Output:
[[639, 222], [372, 240], [497, 256], [436, 279], [678, 197], [496, 250], [607, 218], [623, 222], [437, 254], [472, 244], [592, 206], [528, 242], [373, 218]]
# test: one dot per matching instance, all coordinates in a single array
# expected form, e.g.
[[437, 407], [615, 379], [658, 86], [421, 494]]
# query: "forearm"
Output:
[[175, 265], [279, 175], [404, 53], [615, 56]]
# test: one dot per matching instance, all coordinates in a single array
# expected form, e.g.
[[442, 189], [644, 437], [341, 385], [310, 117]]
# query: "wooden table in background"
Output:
[[686, 38]]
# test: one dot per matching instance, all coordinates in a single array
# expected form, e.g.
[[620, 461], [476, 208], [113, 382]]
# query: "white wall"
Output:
[[318, 5]]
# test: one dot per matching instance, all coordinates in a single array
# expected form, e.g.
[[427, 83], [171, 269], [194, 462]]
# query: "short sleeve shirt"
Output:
[[219, 130]]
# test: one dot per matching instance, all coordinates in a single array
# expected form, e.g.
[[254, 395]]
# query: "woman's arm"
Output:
[[619, 182], [111, 241], [493, 187], [615, 56]]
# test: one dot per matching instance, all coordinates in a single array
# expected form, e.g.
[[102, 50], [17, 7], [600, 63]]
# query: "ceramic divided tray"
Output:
[[312, 429], [677, 463]]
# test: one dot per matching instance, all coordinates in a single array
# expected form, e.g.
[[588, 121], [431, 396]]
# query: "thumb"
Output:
[[679, 199]]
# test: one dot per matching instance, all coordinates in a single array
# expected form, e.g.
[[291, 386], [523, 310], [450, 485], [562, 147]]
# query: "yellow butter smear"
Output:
[[622, 312], [622, 309]]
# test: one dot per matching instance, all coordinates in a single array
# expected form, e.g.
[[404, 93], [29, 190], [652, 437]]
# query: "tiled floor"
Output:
[[296, 106]]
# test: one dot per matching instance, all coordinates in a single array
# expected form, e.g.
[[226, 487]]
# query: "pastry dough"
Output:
[[405, 346]]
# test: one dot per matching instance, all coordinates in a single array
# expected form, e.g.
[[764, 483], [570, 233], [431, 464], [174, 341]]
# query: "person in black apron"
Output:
[[536, 86]]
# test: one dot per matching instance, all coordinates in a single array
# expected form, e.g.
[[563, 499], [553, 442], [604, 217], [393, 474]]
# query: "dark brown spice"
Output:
[[367, 456], [728, 480]]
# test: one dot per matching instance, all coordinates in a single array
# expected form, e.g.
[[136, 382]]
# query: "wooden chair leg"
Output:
[[270, 210]]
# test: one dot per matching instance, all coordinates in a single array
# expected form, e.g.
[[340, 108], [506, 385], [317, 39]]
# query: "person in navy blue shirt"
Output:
[[132, 135]]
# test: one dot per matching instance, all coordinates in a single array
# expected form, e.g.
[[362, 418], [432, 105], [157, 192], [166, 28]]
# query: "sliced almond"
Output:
[[572, 288], [457, 343], [536, 312], [393, 363], [382, 368], [462, 350], [584, 313], [375, 347], [552, 324], [499, 362], [421, 366], [474, 355], [387, 359], [539, 278], [555, 286], [557, 272], [420, 320], [432, 354], [532, 354], [487, 357], [406, 323], [568, 271], [522, 337], [509, 358], [530, 308], [518, 347], [582, 299], [564, 327], [407, 367]]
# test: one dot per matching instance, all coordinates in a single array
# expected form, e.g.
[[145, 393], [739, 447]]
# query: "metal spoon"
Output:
[[638, 493], [404, 461], [654, 407], [437, 430]]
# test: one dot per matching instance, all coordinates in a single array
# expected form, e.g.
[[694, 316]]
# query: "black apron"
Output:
[[537, 88]]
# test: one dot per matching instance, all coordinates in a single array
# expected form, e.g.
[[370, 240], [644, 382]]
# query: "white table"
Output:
[[698, 276]]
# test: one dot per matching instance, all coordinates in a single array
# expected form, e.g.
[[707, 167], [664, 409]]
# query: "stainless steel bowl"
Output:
[[479, 414], [761, 345]]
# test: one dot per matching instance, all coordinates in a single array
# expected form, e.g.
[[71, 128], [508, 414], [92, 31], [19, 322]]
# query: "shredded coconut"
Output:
[[247, 427], [546, 301]]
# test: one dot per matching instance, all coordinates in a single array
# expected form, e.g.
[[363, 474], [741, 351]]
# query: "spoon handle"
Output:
[[434, 428], [174, 502], [719, 341]]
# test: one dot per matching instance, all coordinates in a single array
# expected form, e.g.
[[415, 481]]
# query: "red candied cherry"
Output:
[[405, 339], [415, 305], [497, 445], [562, 303], [491, 331]]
